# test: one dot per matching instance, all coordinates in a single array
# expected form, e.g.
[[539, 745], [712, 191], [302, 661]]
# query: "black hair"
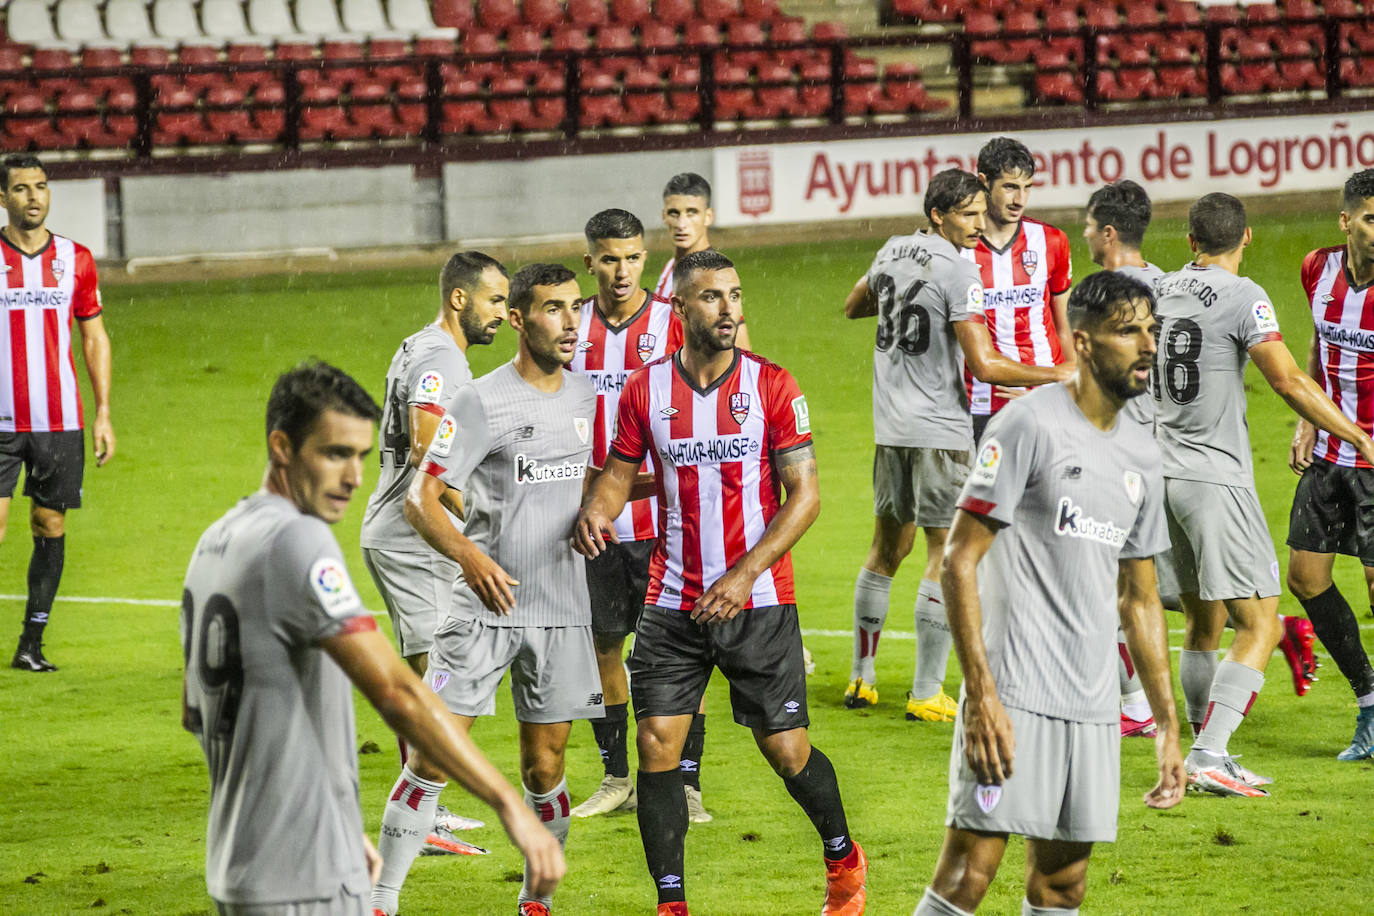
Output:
[[1099, 296], [1217, 223], [1003, 155], [1125, 207], [950, 188], [706, 259], [21, 161], [302, 394], [688, 184], [1358, 188], [464, 271], [527, 278], [613, 224]]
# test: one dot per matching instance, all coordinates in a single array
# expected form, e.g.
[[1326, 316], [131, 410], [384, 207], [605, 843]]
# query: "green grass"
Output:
[[103, 797]]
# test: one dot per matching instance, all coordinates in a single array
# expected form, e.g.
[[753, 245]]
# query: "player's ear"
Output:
[[710, 217], [587, 261], [1246, 238], [516, 318], [1192, 243], [279, 449], [457, 300]]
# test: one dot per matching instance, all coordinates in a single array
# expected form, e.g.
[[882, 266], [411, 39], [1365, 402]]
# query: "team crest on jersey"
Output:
[[988, 797], [1030, 260], [438, 679], [58, 269], [645, 346], [1133, 485], [583, 427], [739, 406]]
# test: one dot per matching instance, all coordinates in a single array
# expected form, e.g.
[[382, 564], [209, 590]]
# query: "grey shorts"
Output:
[[553, 673], [1065, 782], [342, 904], [918, 485], [416, 588], [1221, 543]]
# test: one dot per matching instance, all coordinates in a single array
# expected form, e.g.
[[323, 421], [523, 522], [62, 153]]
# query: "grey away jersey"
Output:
[[272, 711], [922, 286], [426, 372], [1209, 318], [1074, 500], [1142, 409], [519, 456], [1147, 274]]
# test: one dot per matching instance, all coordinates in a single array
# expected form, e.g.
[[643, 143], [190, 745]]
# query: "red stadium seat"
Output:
[[1138, 14], [570, 38], [701, 34], [120, 118], [323, 116], [269, 115], [735, 98], [480, 42], [497, 15], [177, 120], [512, 113], [1179, 76], [718, 11], [371, 111], [650, 105], [78, 120], [457, 14], [412, 112], [749, 34], [778, 101], [226, 114], [467, 113], [544, 15], [201, 56], [1101, 16], [525, 39], [1301, 70], [657, 36], [863, 96], [829, 31], [1181, 12], [904, 92], [631, 12], [1061, 19], [601, 109], [1058, 87], [550, 104], [674, 12], [243, 57], [27, 124], [761, 10], [684, 97], [588, 13]]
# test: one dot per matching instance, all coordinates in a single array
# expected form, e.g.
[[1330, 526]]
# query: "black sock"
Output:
[[610, 739], [691, 752], [663, 828], [1335, 625], [818, 792], [45, 572]]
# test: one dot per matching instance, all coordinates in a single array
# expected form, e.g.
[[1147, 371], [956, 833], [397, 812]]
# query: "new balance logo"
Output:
[[670, 882], [595, 699], [871, 621], [1073, 472]]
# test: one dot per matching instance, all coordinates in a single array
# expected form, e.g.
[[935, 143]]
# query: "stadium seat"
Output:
[[226, 116], [453, 14], [413, 17], [588, 13], [345, 60], [270, 20], [701, 34], [785, 31], [615, 36], [570, 38], [120, 118], [29, 22], [829, 31], [648, 105], [467, 112], [107, 59], [631, 12], [513, 113], [480, 42], [544, 15], [1299, 64], [367, 17], [550, 104], [389, 61], [371, 112], [79, 24], [177, 120], [497, 15], [127, 22], [684, 96], [748, 34], [176, 21], [1142, 14], [603, 109], [669, 12], [78, 120], [718, 11], [223, 21], [761, 10], [412, 111], [862, 96], [777, 101], [525, 39], [735, 99], [200, 56], [323, 116], [27, 124], [904, 92]]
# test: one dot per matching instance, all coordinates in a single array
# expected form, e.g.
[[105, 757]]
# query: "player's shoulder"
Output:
[[1318, 257], [578, 385], [1039, 409], [772, 377], [764, 364], [80, 250], [658, 300], [1052, 232]]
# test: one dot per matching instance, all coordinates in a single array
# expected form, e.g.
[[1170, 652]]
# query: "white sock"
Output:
[[1365, 701], [1030, 909], [871, 593], [407, 820], [933, 641], [555, 810], [1234, 690], [932, 904], [1134, 705], [1196, 671]]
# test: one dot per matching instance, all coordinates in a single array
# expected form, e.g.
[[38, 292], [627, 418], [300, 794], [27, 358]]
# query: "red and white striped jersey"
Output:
[[1343, 321], [1019, 282], [607, 355], [41, 294], [717, 486], [664, 289]]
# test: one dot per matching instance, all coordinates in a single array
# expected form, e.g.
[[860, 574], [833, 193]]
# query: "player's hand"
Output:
[[491, 583], [989, 744], [1366, 450], [1065, 371], [103, 438], [374, 860], [726, 597], [544, 865], [592, 531], [1300, 451], [1172, 777], [1009, 392]]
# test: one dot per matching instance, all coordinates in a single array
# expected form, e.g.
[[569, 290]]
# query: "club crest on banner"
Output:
[[988, 797], [1030, 260], [755, 182], [739, 406], [645, 346]]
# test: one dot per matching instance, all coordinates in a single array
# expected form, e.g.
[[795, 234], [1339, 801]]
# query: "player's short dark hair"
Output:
[[1358, 188], [20, 161], [950, 188], [303, 393], [1002, 155], [1099, 296], [1125, 207], [613, 224], [1216, 222], [464, 271], [688, 184], [527, 278], [706, 259]]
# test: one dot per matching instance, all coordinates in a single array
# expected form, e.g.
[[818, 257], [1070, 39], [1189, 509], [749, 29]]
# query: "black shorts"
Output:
[[759, 652], [616, 583], [53, 464], [980, 423], [1333, 511]]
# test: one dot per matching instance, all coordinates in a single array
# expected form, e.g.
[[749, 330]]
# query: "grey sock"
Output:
[[1234, 690], [1029, 909], [871, 593], [1197, 670], [933, 641], [932, 904]]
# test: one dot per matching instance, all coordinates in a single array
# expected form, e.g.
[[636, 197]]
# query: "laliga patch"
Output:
[[739, 407], [802, 414], [984, 472], [331, 585], [583, 427], [443, 437], [1133, 485], [428, 389], [975, 297], [438, 679], [988, 797], [1264, 318]]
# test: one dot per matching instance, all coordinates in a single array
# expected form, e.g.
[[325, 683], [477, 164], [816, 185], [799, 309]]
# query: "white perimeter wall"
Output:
[[786, 183]]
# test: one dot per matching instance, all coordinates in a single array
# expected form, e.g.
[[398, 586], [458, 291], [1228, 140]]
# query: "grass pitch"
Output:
[[103, 797]]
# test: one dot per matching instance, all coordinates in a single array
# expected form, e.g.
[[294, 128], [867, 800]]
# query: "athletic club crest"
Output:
[[583, 428], [645, 346], [58, 269], [755, 182], [739, 407], [1133, 484], [440, 679], [988, 797], [1030, 260]]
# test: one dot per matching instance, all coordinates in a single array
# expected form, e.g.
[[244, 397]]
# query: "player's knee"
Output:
[[543, 773], [965, 885], [1064, 891], [417, 764], [47, 523], [1305, 585]]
